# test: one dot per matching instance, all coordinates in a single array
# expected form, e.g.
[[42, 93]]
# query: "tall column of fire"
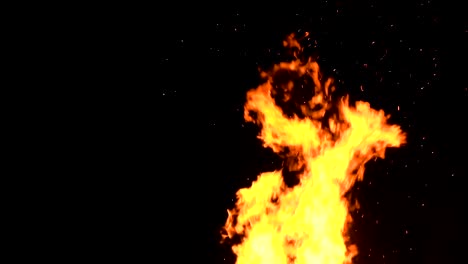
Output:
[[325, 143]]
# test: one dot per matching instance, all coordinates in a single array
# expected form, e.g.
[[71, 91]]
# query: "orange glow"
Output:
[[330, 141]]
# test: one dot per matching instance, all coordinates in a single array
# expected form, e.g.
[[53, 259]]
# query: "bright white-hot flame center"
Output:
[[307, 222]]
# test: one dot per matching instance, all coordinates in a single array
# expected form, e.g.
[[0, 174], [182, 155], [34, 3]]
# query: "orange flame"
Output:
[[326, 142]]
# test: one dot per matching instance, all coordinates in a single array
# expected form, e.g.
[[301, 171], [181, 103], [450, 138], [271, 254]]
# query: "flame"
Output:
[[325, 142]]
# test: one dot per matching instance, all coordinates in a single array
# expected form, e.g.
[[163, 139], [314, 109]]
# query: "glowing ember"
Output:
[[326, 143]]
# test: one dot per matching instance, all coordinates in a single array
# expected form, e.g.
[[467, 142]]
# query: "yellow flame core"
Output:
[[306, 223]]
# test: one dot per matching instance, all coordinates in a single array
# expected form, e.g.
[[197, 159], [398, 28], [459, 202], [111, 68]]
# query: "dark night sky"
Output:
[[400, 58]]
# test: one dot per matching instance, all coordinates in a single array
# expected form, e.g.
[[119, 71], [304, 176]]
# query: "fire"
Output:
[[325, 143]]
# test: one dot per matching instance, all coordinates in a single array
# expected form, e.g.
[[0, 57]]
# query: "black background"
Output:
[[188, 150]]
